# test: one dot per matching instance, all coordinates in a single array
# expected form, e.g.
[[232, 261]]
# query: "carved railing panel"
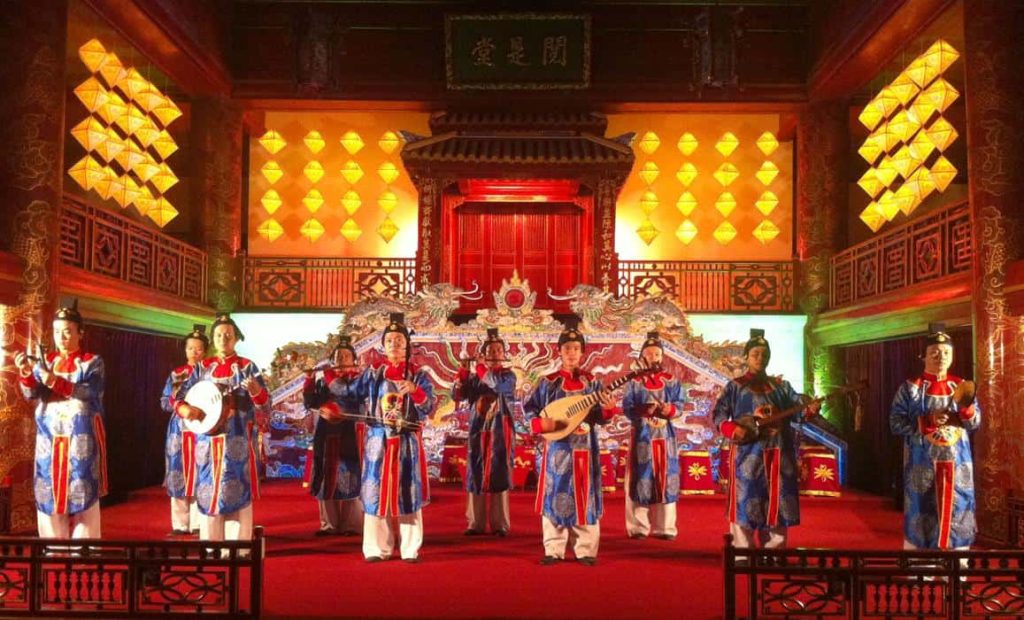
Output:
[[131, 579], [842, 583], [324, 283], [115, 246], [920, 251], [712, 286]]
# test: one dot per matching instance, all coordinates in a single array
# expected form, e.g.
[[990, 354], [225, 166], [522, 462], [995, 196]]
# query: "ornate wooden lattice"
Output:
[[837, 583], [115, 246], [920, 251], [712, 287], [131, 579], [324, 283]]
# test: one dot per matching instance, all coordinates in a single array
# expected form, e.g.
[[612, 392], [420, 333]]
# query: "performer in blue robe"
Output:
[[490, 453], [71, 443], [569, 485], [335, 475], [764, 490], [398, 399], [227, 478], [651, 402], [180, 445], [936, 413]]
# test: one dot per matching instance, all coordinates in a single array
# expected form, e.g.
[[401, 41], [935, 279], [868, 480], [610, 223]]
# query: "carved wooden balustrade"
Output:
[[844, 583], [324, 283], [131, 579], [917, 252], [110, 244], [712, 286]]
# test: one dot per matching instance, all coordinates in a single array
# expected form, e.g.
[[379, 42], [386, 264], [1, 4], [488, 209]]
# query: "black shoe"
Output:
[[324, 533], [501, 533], [472, 532], [347, 533], [638, 536], [587, 561], [411, 560], [173, 533], [665, 536], [548, 560], [373, 559]]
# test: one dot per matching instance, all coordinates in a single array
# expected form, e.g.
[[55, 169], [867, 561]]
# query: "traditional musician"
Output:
[[227, 479], [569, 486], [337, 443], [651, 402], [763, 494], [935, 413], [71, 459], [398, 398], [489, 388], [180, 446]]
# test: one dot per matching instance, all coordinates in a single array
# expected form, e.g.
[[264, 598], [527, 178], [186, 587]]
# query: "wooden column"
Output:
[[32, 43], [995, 160]]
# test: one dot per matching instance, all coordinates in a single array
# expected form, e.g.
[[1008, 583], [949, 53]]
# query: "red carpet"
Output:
[[475, 577]]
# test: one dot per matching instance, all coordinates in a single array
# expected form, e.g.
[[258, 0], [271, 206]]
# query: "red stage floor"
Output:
[[463, 577]]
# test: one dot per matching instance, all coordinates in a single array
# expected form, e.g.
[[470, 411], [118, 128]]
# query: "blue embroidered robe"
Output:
[[337, 446], [569, 483], [764, 489], [653, 455], [490, 451], [180, 444], [71, 442], [938, 471]]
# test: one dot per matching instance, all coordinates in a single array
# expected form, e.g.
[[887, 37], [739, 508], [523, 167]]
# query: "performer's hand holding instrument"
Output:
[[215, 403], [963, 396], [573, 410], [765, 421]]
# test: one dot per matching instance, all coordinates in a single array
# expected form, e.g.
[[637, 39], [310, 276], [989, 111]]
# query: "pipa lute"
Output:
[[574, 409]]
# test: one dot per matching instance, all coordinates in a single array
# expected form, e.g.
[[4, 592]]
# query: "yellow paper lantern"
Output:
[[725, 233], [313, 200], [921, 184], [767, 173], [149, 98], [387, 230], [941, 133], [903, 88], [905, 162], [767, 143], [167, 112], [888, 206], [388, 142], [272, 141], [146, 169], [312, 229], [647, 231], [906, 199], [314, 141], [92, 54], [90, 133], [766, 231], [725, 203], [165, 179], [939, 57], [162, 213], [388, 172], [922, 109], [872, 217], [921, 146], [870, 116], [726, 174], [270, 230], [130, 119], [92, 94], [903, 127], [112, 108], [111, 69], [686, 203], [649, 202], [885, 102], [767, 202], [687, 144], [649, 143], [271, 201], [870, 183], [127, 192], [131, 157], [942, 173], [87, 172], [313, 171], [919, 72], [727, 144], [145, 202], [352, 142], [649, 173], [164, 144], [350, 230], [272, 171], [686, 174], [109, 183], [886, 171], [111, 147], [873, 147], [387, 201], [351, 201], [686, 232], [147, 133], [132, 84], [351, 172]]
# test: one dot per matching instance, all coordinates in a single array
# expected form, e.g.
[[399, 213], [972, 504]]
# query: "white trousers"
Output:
[[478, 515], [556, 539], [656, 519], [184, 514], [771, 538], [230, 526], [82, 525], [341, 515], [379, 535]]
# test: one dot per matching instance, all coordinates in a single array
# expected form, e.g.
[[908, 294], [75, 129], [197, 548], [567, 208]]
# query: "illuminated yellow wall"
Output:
[[666, 218], [294, 185]]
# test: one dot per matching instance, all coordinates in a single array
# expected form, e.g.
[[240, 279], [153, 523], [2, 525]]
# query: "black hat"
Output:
[[756, 340], [198, 333], [225, 319], [492, 336], [396, 324], [68, 311], [937, 335], [571, 333], [344, 342], [653, 340]]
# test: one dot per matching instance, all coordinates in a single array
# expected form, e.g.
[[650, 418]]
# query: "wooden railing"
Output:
[[846, 583], [712, 286], [324, 283], [923, 250], [112, 245], [131, 579]]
